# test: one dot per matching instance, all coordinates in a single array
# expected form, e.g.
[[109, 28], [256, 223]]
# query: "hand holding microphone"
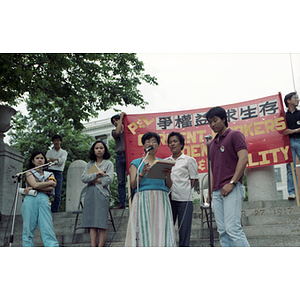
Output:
[[149, 149]]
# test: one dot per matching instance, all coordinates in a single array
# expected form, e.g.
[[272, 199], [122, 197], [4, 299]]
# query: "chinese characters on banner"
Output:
[[262, 121]]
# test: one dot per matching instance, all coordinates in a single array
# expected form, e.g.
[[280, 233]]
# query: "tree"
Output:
[[75, 86], [60, 91]]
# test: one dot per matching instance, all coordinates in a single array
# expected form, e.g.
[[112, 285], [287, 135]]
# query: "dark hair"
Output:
[[288, 97], [92, 155], [56, 136], [149, 135], [180, 137], [117, 117], [217, 111], [33, 155]]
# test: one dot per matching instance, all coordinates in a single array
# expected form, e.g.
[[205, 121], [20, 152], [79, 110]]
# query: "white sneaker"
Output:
[[292, 197]]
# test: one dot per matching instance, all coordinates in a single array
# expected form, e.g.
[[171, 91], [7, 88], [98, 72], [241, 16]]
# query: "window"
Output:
[[280, 195], [278, 175]]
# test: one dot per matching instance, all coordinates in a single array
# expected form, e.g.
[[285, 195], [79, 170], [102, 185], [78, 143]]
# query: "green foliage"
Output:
[[62, 90], [74, 86]]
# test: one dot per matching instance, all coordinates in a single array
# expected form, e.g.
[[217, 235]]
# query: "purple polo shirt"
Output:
[[223, 156]]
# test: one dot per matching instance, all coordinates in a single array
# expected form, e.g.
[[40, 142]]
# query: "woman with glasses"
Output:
[[150, 223]]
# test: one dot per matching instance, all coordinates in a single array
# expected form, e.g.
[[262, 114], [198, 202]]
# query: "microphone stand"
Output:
[[138, 200], [209, 193], [19, 178]]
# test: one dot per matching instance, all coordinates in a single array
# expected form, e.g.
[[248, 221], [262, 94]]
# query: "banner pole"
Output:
[[129, 193], [295, 183]]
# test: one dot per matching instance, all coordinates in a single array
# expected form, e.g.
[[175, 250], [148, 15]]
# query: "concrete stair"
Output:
[[265, 223], [272, 223]]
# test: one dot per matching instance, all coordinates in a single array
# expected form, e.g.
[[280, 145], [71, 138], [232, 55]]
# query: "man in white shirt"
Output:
[[184, 176], [60, 156]]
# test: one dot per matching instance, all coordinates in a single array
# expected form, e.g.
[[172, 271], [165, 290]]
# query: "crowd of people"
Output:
[[156, 204]]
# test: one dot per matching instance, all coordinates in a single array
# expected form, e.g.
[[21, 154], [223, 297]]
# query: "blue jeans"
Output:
[[37, 211], [227, 211], [57, 197], [178, 209], [295, 147], [121, 174]]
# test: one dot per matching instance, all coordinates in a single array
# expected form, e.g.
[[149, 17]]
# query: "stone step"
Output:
[[274, 241], [268, 203], [271, 219], [272, 230], [276, 211], [265, 223]]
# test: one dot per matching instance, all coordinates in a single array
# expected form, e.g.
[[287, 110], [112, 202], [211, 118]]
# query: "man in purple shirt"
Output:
[[229, 156]]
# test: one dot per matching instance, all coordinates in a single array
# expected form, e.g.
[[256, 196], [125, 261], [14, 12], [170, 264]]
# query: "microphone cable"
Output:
[[117, 227], [131, 198], [187, 202]]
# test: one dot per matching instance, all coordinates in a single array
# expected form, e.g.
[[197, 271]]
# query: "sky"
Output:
[[198, 80]]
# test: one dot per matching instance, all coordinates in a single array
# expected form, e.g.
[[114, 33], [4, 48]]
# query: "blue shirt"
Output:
[[149, 183]]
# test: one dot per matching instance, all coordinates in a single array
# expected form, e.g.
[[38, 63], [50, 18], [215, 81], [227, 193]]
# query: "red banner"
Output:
[[262, 121]]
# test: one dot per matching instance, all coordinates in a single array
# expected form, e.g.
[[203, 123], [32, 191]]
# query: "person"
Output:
[[118, 135], [57, 154], [96, 203], [184, 175], [292, 115], [36, 210], [151, 210], [228, 159]]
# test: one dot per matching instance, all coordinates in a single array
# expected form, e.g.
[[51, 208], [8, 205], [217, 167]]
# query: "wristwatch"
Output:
[[232, 182]]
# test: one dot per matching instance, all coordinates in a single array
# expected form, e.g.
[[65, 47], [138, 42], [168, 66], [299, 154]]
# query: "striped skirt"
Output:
[[155, 221]]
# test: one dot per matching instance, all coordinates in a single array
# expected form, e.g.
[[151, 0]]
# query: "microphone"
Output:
[[209, 137], [149, 148]]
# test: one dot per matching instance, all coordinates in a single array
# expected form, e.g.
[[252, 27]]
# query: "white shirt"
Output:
[[61, 155], [185, 169]]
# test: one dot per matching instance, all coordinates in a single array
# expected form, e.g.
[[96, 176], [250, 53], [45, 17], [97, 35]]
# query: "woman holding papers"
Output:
[[150, 223], [98, 174], [36, 210], [184, 176]]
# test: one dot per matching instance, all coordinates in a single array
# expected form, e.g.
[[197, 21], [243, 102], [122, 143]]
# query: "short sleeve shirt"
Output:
[[293, 122], [120, 142], [185, 169], [224, 158], [149, 183]]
